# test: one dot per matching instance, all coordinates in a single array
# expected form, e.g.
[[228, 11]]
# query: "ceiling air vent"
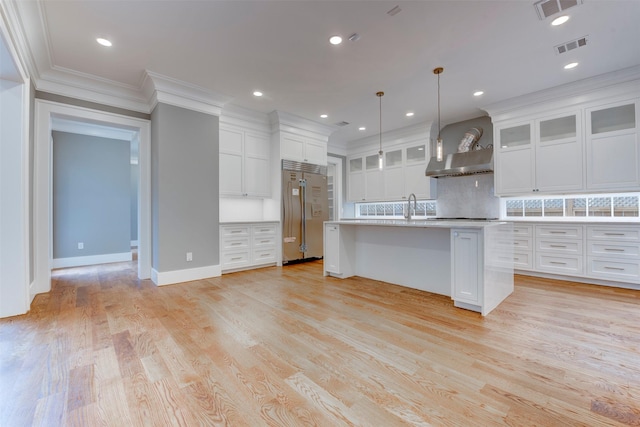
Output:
[[573, 44], [342, 123], [546, 8]]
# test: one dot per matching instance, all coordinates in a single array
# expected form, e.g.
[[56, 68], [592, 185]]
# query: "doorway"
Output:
[[48, 113]]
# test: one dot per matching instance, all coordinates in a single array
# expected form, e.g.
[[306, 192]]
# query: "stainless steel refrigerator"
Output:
[[305, 206]]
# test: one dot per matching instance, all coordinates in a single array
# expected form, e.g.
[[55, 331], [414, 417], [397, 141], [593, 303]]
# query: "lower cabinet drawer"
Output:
[[522, 244], [617, 270], [264, 241], [618, 233], [523, 260], [614, 250], [264, 230], [561, 264], [560, 246], [264, 256], [235, 259], [229, 244], [235, 231]]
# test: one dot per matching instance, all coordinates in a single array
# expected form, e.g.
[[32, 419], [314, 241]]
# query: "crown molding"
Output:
[[287, 122], [15, 58], [419, 132], [234, 115], [616, 83], [167, 90]]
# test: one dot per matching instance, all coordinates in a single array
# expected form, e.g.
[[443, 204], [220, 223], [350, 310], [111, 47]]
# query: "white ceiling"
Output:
[[281, 48]]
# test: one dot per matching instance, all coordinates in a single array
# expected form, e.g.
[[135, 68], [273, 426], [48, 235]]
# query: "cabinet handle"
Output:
[[264, 241], [236, 258], [613, 250], [236, 244], [236, 231], [614, 234], [613, 268], [557, 246], [557, 232], [557, 262], [264, 255]]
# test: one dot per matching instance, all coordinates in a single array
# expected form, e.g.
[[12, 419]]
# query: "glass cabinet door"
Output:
[[393, 158], [613, 119], [355, 165], [560, 128], [515, 136], [372, 162], [416, 154]]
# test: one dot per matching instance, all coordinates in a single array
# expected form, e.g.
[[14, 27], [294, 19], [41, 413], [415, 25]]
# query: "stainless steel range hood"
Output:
[[457, 164]]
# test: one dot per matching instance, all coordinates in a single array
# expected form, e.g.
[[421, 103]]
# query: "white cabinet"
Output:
[[355, 180], [466, 265], [244, 163], [402, 174], [303, 149], [248, 245], [415, 164], [339, 251], [544, 154], [613, 253], [523, 246], [613, 147], [374, 178], [559, 249]]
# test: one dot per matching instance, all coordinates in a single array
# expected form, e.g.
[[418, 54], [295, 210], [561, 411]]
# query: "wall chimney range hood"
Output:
[[459, 164]]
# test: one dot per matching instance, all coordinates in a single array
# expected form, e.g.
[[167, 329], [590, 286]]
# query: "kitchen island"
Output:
[[471, 261]]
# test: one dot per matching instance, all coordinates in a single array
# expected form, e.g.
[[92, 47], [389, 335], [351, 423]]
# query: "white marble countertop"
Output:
[[420, 223], [264, 221]]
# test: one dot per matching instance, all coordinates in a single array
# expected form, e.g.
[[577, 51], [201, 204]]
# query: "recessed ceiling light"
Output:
[[335, 40], [571, 65], [323, 116], [104, 42], [560, 20], [478, 93], [362, 128], [257, 93], [410, 114]]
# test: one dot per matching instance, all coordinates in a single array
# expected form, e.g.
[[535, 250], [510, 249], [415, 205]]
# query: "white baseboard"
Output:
[[90, 260], [179, 276]]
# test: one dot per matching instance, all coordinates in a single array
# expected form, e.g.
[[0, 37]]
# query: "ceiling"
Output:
[[281, 48]]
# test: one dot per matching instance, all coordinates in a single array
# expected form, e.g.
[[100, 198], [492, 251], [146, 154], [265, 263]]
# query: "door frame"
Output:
[[45, 111]]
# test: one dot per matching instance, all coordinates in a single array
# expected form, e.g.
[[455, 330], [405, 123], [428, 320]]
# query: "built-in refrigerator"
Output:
[[304, 209]]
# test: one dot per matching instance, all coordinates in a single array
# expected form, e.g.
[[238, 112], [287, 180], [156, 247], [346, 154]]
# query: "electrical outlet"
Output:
[[80, 245], [189, 256]]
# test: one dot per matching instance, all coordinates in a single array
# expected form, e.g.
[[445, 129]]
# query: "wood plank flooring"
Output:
[[289, 347]]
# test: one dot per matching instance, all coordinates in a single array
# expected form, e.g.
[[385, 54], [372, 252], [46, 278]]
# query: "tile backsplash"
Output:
[[467, 196]]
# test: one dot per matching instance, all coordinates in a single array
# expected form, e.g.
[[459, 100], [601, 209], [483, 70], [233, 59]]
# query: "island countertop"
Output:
[[421, 223]]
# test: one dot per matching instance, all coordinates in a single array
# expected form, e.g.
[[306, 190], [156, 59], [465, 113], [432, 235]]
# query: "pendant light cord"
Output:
[[379, 95], [438, 105]]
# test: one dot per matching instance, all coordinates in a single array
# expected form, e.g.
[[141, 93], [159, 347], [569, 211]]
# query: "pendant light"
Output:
[[380, 95], [439, 146]]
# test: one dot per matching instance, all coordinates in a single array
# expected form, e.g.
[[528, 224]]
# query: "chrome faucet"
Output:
[[407, 215]]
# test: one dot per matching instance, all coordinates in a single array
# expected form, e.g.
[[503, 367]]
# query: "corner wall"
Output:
[[184, 194]]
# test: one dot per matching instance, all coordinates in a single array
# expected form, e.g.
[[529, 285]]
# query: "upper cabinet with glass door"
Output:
[[613, 147]]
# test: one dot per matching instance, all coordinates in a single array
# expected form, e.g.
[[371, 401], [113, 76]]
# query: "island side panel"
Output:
[[498, 265], [418, 258]]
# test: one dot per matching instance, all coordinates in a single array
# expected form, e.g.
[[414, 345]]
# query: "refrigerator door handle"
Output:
[[303, 201]]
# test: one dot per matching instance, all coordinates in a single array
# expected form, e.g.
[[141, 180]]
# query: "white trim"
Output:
[[44, 112], [167, 90], [79, 261], [337, 186], [179, 276], [286, 122]]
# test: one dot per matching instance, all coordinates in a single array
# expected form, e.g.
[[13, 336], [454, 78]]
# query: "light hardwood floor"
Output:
[[289, 347]]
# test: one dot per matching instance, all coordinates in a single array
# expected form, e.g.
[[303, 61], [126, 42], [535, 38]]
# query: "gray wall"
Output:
[[91, 195], [92, 105], [184, 188], [135, 185]]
